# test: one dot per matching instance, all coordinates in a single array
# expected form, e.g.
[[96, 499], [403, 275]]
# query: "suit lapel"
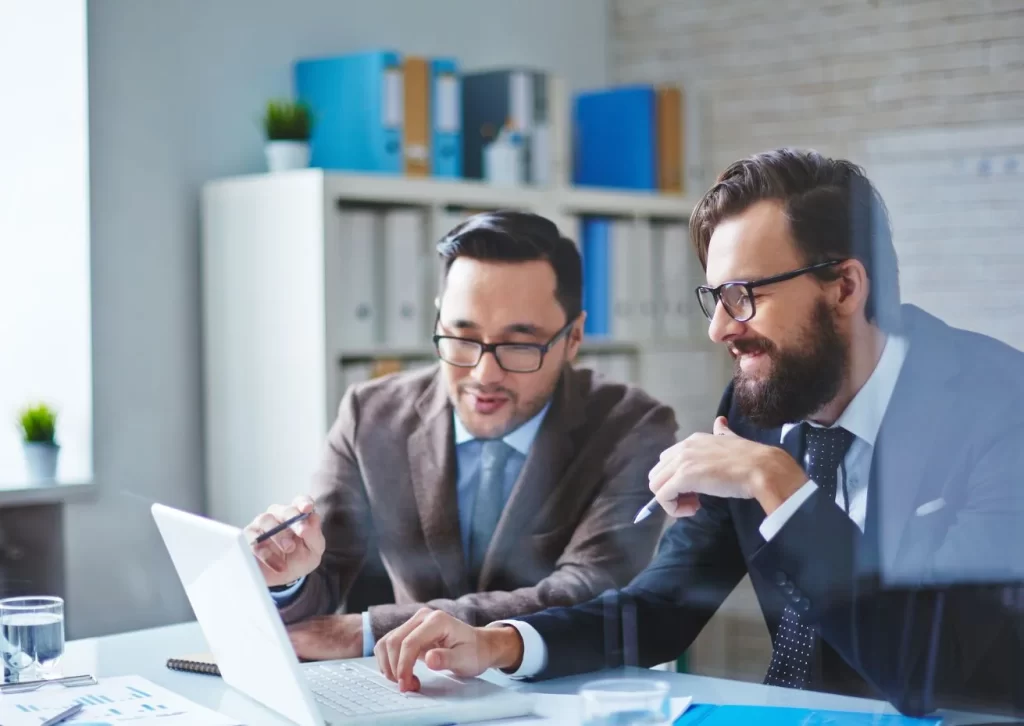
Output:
[[551, 449], [433, 471], [907, 443]]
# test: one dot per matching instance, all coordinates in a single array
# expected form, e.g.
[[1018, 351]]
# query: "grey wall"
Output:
[[176, 88]]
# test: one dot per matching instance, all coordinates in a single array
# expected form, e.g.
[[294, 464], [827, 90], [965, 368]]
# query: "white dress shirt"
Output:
[[862, 418]]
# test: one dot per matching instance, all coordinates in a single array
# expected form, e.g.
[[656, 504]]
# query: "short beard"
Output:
[[530, 407], [800, 382]]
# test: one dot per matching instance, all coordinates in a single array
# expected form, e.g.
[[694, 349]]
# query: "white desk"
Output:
[[145, 653]]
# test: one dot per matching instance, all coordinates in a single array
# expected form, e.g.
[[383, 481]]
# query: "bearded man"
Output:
[[864, 470]]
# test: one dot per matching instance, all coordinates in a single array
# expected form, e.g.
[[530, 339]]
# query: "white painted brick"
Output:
[[928, 95]]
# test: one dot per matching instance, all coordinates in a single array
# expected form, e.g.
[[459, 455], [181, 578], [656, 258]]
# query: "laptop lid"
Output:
[[236, 613]]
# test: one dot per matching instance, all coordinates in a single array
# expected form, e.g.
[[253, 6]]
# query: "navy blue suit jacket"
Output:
[[923, 609]]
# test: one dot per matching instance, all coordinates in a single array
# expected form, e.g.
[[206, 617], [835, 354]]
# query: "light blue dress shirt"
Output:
[[467, 467]]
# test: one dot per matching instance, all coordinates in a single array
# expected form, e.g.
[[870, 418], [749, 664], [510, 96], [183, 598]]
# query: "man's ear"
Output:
[[576, 336], [854, 287]]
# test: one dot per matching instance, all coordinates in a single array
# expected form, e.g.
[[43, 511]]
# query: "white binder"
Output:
[[620, 323], [359, 315], [590, 361], [642, 274], [405, 277], [617, 367], [632, 280], [677, 302], [444, 221], [355, 372]]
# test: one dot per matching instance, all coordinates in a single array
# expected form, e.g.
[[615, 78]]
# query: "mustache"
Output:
[[486, 390], [751, 345]]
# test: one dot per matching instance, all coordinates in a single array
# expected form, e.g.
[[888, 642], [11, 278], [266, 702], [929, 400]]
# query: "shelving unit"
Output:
[[274, 349]]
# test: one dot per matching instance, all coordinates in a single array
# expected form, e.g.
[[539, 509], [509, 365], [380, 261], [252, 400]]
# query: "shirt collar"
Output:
[[863, 416], [520, 439]]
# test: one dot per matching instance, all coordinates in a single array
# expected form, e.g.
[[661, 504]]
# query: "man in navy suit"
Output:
[[865, 469]]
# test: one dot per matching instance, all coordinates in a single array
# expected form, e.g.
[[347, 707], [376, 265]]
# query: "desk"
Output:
[[145, 652]]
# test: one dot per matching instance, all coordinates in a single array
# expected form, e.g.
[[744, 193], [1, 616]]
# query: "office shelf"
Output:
[[275, 346]]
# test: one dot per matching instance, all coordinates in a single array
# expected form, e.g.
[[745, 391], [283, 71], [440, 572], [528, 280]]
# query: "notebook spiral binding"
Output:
[[193, 666]]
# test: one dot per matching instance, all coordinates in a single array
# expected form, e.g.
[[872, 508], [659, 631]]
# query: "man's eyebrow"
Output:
[[743, 278], [523, 328]]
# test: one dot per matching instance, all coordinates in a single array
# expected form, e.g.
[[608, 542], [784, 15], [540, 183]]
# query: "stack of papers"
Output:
[[110, 702]]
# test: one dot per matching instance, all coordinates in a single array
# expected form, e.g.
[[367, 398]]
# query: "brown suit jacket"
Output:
[[388, 477]]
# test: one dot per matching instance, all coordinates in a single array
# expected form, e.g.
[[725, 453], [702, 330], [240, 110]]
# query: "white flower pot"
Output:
[[285, 155], [41, 460]]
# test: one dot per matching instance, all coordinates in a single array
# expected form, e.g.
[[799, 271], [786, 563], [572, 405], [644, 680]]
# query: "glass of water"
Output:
[[32, 636], [622, 701]]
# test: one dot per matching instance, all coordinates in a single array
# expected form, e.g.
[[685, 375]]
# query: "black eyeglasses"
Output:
[[738, 297], [512, 357]]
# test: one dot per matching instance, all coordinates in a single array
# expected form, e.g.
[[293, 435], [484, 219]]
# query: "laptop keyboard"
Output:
[[353, 691]]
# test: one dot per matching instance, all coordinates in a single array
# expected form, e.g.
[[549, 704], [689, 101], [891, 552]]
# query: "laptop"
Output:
[[247, 637]]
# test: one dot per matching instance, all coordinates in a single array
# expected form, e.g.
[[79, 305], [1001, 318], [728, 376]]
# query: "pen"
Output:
[[63, 715], [647, 511], [281, 527], [649, 508]]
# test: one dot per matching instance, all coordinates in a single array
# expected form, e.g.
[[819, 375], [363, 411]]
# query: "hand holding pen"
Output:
[[668, 482], [723, 465], [287, 541]]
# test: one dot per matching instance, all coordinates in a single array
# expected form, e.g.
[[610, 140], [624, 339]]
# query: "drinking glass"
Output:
[[32, 636], [622, 701]]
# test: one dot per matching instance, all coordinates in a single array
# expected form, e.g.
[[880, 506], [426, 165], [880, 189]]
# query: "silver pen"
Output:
[[647, 511], [63, 715], [649, 508]]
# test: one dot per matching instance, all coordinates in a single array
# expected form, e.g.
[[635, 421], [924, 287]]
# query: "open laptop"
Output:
[[246, 636]]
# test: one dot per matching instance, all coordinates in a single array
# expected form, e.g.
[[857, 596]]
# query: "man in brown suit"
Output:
[[501, 482]]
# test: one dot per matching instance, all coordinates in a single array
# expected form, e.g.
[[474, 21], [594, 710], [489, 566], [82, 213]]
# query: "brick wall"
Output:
[[824, 73], [928, 95]]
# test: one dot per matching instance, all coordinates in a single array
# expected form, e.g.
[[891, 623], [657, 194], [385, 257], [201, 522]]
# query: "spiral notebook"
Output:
[[199, 663]]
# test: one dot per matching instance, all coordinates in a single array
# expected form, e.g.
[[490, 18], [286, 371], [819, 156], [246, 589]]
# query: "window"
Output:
[[45, 340]]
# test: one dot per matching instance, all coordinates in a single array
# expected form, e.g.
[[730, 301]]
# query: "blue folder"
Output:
[[615, 143], [445, 141], [710, 715], [356, 102]]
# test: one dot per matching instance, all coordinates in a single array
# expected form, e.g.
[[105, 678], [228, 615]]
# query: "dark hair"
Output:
[[512, 236], [833, 209]]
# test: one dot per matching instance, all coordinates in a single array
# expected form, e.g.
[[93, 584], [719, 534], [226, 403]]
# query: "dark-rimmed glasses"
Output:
[[737, 297], [512, 357]]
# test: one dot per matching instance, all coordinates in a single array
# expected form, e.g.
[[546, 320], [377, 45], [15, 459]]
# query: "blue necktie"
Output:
[[488, 504], [793, 646]]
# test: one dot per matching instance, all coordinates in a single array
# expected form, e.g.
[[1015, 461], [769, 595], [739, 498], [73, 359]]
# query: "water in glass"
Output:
[[32, 636], [625, 701]]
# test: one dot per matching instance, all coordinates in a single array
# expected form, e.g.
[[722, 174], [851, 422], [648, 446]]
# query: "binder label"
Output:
[[521, 101], [447, 114], [391, 98]]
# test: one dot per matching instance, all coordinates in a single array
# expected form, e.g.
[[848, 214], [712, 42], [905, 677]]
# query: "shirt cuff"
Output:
[[775, 521], [368, 640], [284, 597], [535, 652]]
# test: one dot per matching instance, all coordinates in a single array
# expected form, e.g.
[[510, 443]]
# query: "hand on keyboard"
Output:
[[444, 642]]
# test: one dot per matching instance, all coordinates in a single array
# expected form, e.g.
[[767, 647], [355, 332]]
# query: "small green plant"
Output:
[[287, 121], [38, 423]]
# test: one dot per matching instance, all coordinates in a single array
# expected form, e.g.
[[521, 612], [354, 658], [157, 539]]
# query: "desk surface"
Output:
[[145, 653]]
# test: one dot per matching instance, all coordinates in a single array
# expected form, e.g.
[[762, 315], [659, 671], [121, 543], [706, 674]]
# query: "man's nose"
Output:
[[487, 369], [723, 326]]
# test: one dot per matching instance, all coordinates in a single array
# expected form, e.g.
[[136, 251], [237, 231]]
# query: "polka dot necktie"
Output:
[[793, 646]]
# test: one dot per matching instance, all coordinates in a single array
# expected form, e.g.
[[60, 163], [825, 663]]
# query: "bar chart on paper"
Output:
[[129, 699]]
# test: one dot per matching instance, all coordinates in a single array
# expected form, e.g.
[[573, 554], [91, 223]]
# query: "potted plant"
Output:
[[287, 125], [38, 427]]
